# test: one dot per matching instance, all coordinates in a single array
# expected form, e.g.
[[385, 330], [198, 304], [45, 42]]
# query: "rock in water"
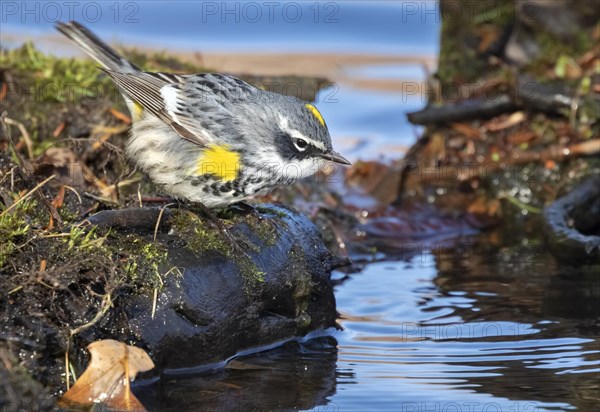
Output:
[[216, 294], [572, 224]]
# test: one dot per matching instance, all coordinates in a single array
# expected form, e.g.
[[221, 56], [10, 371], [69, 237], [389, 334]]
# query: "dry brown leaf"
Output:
[[587, 60], [588, 148], [3, 91], [522, 136], [467, 130], [483, 206], [50, 225], [106, 380], [512, 120], [43, 265], [549, 164], [59, 129], [120, 115], [102, 139], [58, 201], [378, 180], [487, 36]]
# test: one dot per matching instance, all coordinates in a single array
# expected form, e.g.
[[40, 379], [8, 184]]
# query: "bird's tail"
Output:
[[95, 48]]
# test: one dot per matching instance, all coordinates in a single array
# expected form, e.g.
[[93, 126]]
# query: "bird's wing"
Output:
[[195, 106]]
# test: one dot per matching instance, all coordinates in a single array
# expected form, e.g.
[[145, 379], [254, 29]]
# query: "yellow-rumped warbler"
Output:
[[212, 138]]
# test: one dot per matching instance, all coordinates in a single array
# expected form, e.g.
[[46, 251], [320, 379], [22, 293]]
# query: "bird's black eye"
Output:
[[300, 144]]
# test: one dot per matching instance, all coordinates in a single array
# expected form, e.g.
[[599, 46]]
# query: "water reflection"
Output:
[[476, 326], [521, 282], [298, 375]]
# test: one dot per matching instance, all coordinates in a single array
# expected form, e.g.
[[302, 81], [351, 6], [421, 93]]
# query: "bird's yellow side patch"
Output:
[[315, 113], [219, 161], [138, 109]]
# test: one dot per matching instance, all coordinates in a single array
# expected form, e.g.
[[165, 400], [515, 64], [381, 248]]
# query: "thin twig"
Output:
[[154, 303], [26, 171], [162, 210], [74, 191], [24, 134], [105, 306], [27, 195], [101, 199]]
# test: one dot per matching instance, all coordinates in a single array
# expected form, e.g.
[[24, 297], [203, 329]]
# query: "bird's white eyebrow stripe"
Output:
[[298, 135], [284, 125]]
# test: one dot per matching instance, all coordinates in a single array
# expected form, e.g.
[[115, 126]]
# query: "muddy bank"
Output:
[[164, 280], [512, 120], [88, 252]]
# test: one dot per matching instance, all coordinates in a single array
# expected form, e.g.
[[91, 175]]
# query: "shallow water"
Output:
[[471, 327], [472, 330]]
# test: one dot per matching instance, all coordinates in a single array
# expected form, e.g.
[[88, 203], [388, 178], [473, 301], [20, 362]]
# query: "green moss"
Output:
[[271, 211], [59, 79], [202, 238], [303, 320], [81, 239], [303, 286], [68, 214], [460, 60], [56, 79], [139, 262], [145, 263], [263, 227], [553, 51], [260, 225], [15, 226], [265, 231]]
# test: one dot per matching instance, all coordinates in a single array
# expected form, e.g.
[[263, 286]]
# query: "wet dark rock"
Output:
[[572, 224], [219, 299]]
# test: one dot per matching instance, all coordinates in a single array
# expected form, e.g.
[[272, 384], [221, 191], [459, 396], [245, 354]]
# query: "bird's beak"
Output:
[[336, 157]]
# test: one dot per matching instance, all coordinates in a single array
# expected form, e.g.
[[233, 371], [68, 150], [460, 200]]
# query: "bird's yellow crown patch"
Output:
[[315, 113], [219, 161]]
